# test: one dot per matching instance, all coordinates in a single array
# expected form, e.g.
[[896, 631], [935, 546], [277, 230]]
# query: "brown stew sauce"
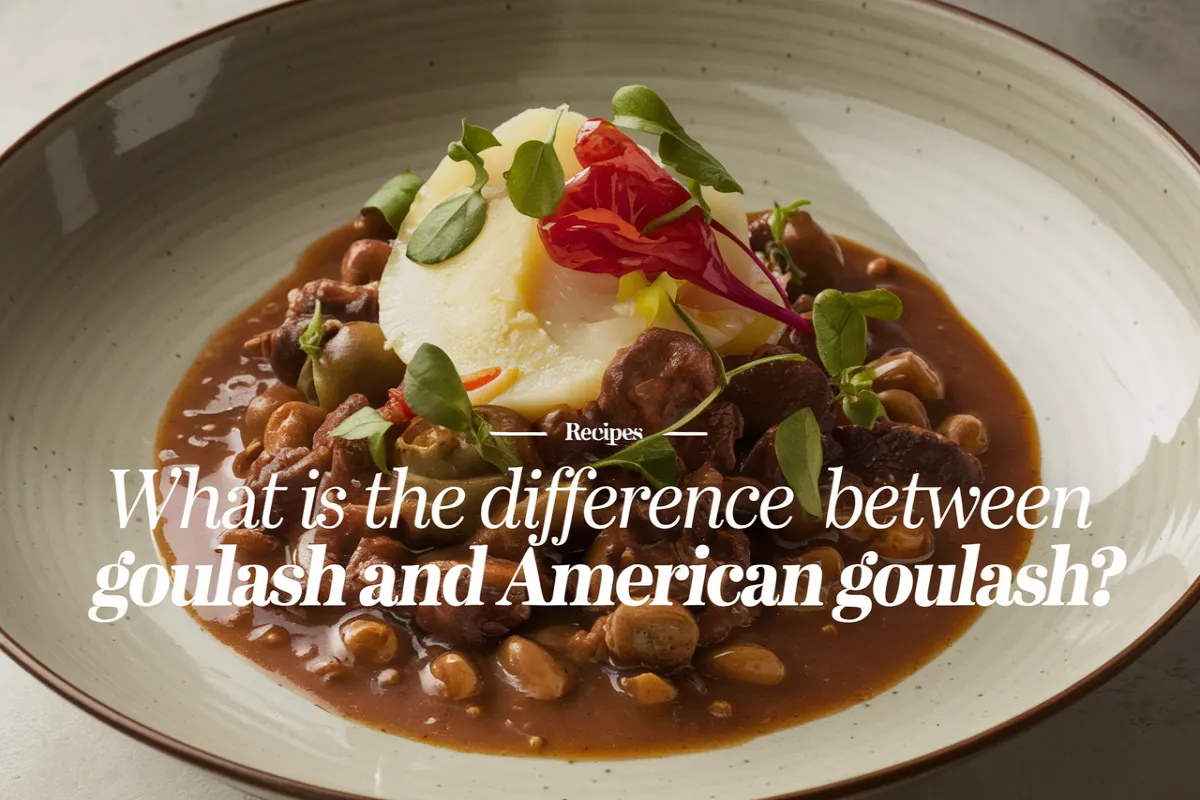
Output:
[[830, 666]]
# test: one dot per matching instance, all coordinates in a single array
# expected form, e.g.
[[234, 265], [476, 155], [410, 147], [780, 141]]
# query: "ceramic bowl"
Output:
[[1057, 213]]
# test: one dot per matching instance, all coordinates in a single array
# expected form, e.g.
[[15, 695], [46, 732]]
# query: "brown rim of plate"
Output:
[[277, 783]]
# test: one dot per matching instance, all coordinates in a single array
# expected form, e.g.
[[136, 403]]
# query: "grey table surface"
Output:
[[1133, 737]]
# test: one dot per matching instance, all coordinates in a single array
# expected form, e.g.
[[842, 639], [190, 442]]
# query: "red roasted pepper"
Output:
[[598, 224], [397, 411]]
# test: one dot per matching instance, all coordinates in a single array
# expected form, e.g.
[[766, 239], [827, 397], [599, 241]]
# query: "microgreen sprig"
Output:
[[312, 338], [840, 324], [535, 180], [776, 251], [639, 108], [653, 456], [433, 389], [394, 198], [454, 223]]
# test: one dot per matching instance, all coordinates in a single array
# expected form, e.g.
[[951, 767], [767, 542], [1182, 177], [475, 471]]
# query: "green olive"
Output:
[[432, 451], [436, 452], [356, 359], [437, 458]]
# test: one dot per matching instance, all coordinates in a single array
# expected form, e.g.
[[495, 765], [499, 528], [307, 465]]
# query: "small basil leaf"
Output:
[[477, 139], [798, 449], [434, 391], [687, 157], [535, 180], [863, 409], [841, 332], [494, 450], [367, 424], [448, 228], [395, 197], [312, 340], [861, 379], [781, 214], [640, 108], [653, 457], [877, 303]]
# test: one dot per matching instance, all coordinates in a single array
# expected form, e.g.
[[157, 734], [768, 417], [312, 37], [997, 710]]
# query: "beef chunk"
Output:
[[722, 422], [457, 625], [804, 342], [656, 380], [340, 301], [769, 394], [892, 452], [555, 449], [372, 551]]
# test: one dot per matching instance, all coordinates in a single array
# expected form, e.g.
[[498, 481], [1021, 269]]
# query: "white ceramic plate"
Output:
[[1058, 214]]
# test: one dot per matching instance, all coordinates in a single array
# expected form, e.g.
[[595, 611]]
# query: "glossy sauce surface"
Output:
[[829, 665]]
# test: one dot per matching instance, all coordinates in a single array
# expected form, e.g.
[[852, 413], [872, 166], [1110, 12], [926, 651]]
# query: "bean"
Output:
[[898, 543], [649, 689], [967, 431], [904, 369], [554, 637], [663, 637], [327, 667], [534, 672], [878, 267], [292, 425], [452, 677], [748, 663], [904, 406], [270, 635], [260, 409], [370, 640], [721, 709], [364, 261]]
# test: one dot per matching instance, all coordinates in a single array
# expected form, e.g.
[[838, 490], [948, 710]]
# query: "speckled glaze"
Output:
[[1058, 216]]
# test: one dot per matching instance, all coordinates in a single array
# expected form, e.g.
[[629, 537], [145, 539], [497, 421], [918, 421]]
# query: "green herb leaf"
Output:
[[433, 389], [312, 339], [777, 251], [477, 139], [367, 424], [863, 408], [395, 197], [781, 214], [639, 108], [718, 362], [494, 450], [876, 303], [841, 332], [653, 457], [859, 379], [798, 448], [687, 157], [448, 228], [535, 180], [649, 456]]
